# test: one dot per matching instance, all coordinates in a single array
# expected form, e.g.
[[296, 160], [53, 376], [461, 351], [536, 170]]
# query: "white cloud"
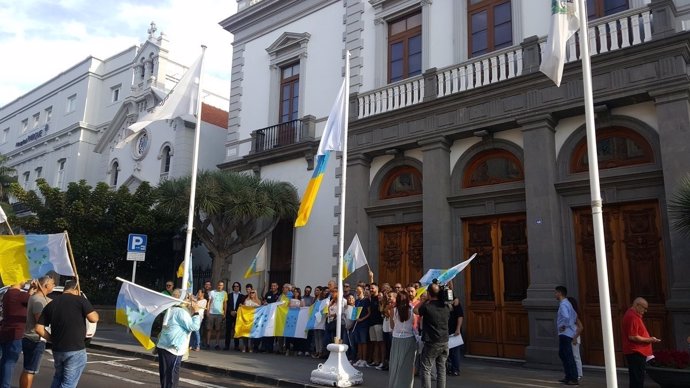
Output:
[[40, 39]]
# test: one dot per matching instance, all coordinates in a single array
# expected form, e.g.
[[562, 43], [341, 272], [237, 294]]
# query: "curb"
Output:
[[246, 376]]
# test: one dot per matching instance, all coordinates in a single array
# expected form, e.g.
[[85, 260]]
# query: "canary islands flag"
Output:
[[137, 307], [354, 258], [258, 264], [331, 140], [32, 256]]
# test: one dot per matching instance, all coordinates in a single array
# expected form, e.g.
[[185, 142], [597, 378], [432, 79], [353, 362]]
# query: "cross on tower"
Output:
[[152, 30]]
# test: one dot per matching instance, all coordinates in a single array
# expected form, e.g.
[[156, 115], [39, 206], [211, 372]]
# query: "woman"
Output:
[[388, 300], [252, 300], [196, 335], [331, 321], [319, 328], [403, 345]]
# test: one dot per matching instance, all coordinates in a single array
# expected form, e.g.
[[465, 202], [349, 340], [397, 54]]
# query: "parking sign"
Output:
[[136, 247]]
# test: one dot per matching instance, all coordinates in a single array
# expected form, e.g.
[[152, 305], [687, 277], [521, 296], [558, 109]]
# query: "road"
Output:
[[112, 371]]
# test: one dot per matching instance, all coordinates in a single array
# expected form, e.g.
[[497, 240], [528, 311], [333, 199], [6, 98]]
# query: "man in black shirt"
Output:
[[66, 317], [435, 314]]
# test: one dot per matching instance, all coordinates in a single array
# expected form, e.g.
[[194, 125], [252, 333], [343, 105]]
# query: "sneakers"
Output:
[[373, 365], [360, 364], [379, 366]]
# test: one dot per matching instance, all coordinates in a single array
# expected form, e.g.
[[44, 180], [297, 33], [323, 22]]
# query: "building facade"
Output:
[[70, 127], [459, 145]]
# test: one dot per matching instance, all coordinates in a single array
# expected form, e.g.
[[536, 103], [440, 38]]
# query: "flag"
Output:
[[317, 312], [354, 258], [352, 313], [190, 278], [24, 257], [258, 264], [3, 216], [291, 321], [181, 101], [565, 19], [331, 140], [430, 275], [450, 273], [420, 291], [137, 307]]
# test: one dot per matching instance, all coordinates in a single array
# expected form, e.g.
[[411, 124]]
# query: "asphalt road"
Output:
[[112, 371]]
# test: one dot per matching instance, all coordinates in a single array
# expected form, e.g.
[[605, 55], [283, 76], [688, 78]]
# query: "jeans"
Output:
[[454, 359], [68, 368], [637, 364], [565, 352], [10, 355], [195, 340], [434, 353]]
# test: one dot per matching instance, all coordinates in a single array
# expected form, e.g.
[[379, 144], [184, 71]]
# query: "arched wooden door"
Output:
[[496, 283], [400, 253], [635, 260]]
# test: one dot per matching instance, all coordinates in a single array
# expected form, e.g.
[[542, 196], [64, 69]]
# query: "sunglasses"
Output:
[[168, 285], [252, 292]]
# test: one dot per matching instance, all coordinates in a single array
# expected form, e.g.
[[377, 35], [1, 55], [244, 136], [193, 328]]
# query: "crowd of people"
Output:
[[389, 333]]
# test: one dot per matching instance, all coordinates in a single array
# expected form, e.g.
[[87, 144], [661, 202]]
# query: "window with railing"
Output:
[[490, 26], [405, 47], [278, 135]]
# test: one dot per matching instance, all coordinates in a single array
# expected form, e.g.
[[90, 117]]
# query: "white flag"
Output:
[[3, 216], [565, 19], [336, 125], [181, 100], [354, 257]]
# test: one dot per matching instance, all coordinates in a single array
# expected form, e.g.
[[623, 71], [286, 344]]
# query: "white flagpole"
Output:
[[192, 193], [343, 186], [597, 216]]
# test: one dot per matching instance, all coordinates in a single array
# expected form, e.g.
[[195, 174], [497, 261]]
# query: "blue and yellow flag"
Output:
[[137, 307], [258, 264], [25, 257]]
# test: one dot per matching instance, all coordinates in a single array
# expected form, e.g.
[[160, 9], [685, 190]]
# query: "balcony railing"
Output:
[[615, 32], [283, 134]]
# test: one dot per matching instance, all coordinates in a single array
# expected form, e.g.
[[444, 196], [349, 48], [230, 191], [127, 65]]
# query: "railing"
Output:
[[391, 97], [488, 69], [611, 33], [278, 135], [615, 32]]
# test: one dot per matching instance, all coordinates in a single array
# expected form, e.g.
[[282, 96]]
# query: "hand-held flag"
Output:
[[331, 140], [565, 19], [24, 257], [354, 258], [190, 278], [258, 264]]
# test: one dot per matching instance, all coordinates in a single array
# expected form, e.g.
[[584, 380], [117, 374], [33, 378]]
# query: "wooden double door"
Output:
[[401, 253], [496, 283], [635, 261]]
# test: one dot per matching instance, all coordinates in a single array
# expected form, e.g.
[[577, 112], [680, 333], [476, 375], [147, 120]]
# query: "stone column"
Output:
[[673, 115], [546, 263], [356, 219], [436, 211]]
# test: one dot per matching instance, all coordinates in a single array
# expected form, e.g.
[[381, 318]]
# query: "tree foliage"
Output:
[[233, 211], [679, 207], [98, 220]]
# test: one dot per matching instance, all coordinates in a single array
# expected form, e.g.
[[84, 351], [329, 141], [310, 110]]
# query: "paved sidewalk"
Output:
[[293, 371]]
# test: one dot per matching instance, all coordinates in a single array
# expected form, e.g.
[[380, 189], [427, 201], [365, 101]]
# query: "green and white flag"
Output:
[[565, 19]]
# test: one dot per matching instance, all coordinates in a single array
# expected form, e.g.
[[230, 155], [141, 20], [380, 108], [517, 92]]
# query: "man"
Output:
[[14, 304], [637, 343], [236, 299], [32, 344], [435, 315], [66, 316], [217, 308], [566, 326], [272, 296], [174, 340], [375, 324], [307, 299], [347, 291], [168, 288], [208, 287]]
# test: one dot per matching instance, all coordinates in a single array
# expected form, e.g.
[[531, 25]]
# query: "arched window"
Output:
[[402, 181], [616, 147], [492, 167], [114, 170], [165, 160]]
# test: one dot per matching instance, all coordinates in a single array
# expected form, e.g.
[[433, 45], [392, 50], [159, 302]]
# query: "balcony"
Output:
[[283, 134], [612, 33]]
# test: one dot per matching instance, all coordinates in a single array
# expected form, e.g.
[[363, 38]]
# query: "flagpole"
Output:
[[597, 216], [192, 193], [343, 186]]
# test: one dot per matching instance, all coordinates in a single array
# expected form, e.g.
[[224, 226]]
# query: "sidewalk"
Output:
[[293, 371]]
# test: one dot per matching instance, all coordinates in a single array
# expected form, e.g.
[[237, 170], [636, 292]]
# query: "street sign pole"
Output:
[[134, 271], [136, 251]]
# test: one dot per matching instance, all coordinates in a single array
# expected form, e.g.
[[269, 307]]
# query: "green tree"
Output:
[[233, 211], [679, 207], [98, 220], [7, 177]]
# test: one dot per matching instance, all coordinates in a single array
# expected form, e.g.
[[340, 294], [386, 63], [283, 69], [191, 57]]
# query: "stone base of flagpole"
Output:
[[337, 371]]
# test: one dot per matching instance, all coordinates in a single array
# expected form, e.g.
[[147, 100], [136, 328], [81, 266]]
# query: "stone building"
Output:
[[459, 145]]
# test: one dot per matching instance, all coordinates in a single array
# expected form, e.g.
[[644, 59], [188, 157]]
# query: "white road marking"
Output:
[[196, 383], [96, 372]]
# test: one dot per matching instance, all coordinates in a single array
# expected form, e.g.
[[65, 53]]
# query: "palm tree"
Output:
[[679, 207], [233, 211]]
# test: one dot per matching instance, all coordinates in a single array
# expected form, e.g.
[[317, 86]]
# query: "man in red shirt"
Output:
[[637, 343], [12, 329]]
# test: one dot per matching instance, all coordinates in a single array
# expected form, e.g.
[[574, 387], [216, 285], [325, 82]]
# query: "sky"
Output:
[[39, 39]]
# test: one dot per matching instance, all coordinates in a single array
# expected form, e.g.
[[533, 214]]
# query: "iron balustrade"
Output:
[[279, 135]]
